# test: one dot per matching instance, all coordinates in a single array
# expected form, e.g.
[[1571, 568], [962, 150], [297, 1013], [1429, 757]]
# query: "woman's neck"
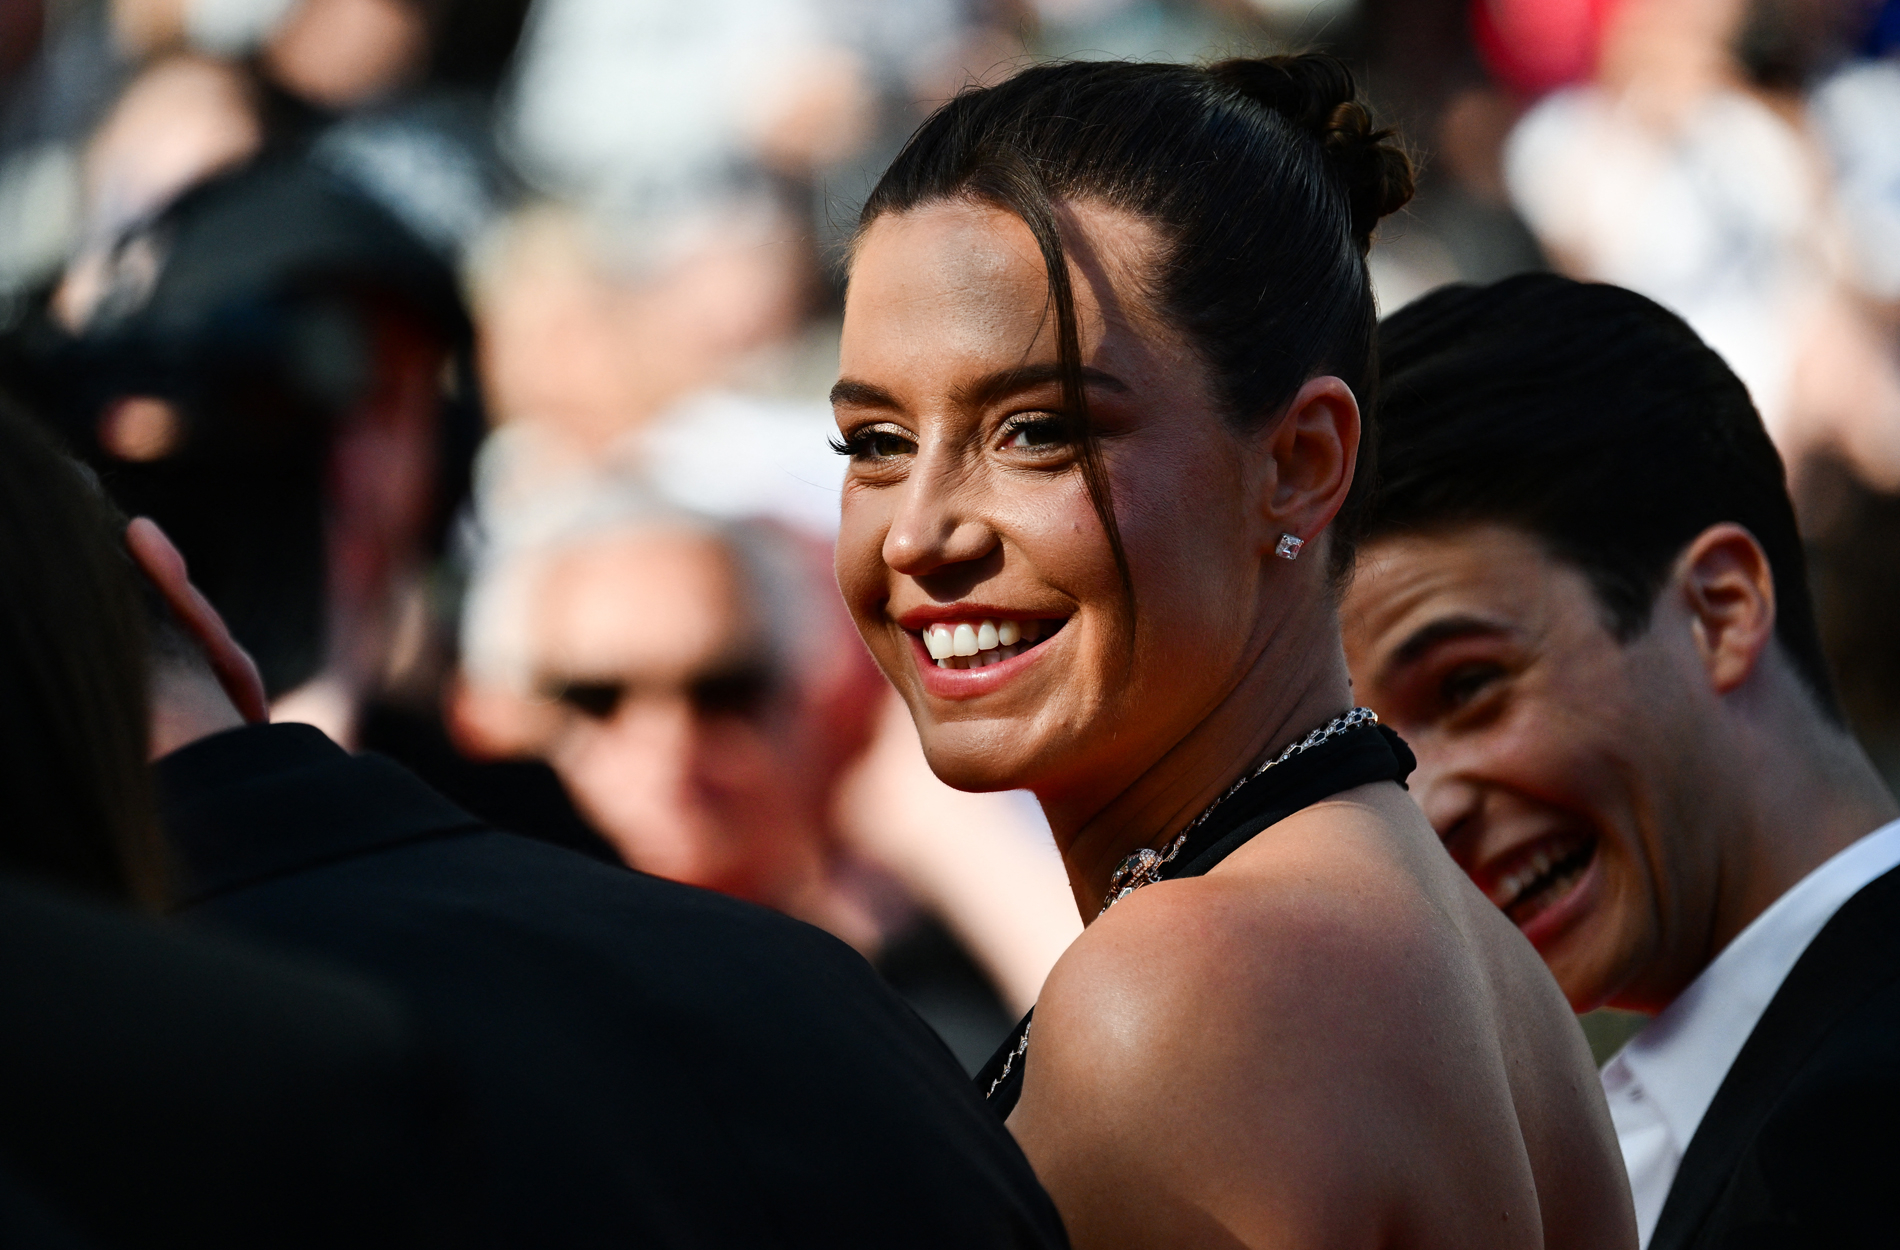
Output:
[[1258, 718]]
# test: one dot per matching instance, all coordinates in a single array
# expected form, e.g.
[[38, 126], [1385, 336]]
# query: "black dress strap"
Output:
[[1357, 757]]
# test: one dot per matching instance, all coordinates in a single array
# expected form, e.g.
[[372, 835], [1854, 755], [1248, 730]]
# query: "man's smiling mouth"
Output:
[[982, 642], [1540, 873]]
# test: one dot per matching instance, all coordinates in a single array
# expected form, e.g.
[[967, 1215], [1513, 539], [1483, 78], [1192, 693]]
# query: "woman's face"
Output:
[[970, 555]]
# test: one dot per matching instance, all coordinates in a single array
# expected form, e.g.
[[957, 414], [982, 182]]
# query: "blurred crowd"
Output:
[[474, 352]]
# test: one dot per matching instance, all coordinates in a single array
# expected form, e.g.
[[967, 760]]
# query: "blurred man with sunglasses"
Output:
[[700, 692]]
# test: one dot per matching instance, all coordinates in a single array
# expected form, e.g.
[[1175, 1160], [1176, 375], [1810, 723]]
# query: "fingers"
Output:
[[165, 567]]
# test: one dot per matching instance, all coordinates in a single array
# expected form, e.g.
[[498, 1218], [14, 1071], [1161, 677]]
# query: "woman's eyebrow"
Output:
[[991, 387], [861, 395], [984, 390]]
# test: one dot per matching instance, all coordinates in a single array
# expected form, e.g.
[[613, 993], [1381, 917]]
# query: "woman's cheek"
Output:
[[858, 558]]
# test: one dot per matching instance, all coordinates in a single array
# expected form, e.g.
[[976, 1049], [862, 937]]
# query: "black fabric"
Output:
[[930, 969], [923, 962], [160, 1089], [653, 1065], [521, 796], [1801, 1145], [1359, 756]]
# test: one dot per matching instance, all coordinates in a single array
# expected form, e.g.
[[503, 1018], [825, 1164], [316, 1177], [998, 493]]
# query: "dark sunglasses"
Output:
[[740, 691]]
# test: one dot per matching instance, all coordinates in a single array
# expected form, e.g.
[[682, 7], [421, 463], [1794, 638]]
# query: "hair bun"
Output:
[[1316, 93]]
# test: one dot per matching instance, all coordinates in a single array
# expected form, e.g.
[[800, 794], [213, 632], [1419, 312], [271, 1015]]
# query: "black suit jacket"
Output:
[[652, 1064], [160, 1089], [1801, 1145]]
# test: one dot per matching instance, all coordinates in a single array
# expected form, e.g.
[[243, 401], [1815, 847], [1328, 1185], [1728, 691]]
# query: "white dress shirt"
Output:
[[1660, 1084]]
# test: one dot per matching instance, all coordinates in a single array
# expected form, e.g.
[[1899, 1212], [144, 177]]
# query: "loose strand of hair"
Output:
[[1016, 185]]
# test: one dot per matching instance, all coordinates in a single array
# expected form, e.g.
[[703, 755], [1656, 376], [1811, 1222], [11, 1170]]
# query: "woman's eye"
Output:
[[874, 443], [1041, 433], [1467, 682]]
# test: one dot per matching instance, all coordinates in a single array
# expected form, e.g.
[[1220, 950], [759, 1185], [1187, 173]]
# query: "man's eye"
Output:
[[874, 443], [1467, 682], [1037, 433], [597, 700]]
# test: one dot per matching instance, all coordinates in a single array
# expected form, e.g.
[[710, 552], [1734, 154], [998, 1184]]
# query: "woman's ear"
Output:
[[1309, 456], [165, 567]]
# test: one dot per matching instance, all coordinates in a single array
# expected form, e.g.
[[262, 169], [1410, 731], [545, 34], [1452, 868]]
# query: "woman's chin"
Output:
[[979, 768]]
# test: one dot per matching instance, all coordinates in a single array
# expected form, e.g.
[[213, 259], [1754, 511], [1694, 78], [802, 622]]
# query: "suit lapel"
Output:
[[1854, 954]]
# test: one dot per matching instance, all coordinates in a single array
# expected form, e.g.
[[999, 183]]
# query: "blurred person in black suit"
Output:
[[651, 1064], [158, 1089], [1584, 603]]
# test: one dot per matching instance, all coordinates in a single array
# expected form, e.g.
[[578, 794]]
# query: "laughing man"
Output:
[[1584, 603]]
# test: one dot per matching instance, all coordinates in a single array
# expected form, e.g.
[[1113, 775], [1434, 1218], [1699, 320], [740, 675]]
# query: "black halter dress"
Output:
[[1356, 757]]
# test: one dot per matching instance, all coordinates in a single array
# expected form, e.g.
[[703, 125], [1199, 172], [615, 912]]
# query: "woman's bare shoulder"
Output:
[[1273, 1019], [1278, 942]]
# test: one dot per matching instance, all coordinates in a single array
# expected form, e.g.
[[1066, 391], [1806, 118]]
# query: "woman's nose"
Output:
[[936, 525]]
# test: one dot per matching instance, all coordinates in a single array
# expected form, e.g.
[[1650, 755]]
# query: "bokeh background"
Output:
[[644, 204]]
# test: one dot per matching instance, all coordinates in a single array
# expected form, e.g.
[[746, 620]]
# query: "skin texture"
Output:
[[1332, 1038], [1690, 759]]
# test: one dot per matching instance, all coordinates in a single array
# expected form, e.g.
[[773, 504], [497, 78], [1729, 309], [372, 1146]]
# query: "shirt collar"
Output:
[[1681, 1058]]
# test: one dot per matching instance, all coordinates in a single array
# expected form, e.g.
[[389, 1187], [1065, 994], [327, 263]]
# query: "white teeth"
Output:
[[978, 644], [1541, 862]]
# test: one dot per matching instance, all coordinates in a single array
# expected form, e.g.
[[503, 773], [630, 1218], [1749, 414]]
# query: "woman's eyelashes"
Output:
[[1042, 433], [872, 444]]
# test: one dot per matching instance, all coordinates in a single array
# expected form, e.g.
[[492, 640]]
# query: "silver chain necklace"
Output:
[[1144, 866]]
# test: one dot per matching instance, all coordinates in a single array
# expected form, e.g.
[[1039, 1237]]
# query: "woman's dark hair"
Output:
[[76, 804], [1594, 420], [1266, 178]]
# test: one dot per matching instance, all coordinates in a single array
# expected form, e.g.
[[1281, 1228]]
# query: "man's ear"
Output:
[[165, 567], [1310, 455], [1729, 588]]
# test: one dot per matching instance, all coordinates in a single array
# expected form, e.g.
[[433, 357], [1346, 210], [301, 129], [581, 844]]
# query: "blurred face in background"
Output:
[[336, 54], [575, 342], [1557, 763], [340, 53], [680, 741]]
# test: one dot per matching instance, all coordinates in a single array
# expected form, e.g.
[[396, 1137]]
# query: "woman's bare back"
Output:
[[1330, 1039]]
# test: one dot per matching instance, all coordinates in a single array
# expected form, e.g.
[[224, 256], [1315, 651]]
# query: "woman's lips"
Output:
[[943, 649]]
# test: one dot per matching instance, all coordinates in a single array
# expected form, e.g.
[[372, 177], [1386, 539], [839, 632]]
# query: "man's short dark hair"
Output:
[[1595, 420]]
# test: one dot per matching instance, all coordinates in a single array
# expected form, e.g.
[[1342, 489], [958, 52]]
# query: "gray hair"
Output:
[[515, 553]]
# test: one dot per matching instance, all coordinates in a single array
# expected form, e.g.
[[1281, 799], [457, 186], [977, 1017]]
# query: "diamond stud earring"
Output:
[[1289, 548]]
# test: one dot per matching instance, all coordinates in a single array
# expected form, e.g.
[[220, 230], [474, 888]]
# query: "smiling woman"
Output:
[[1106, 331]]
